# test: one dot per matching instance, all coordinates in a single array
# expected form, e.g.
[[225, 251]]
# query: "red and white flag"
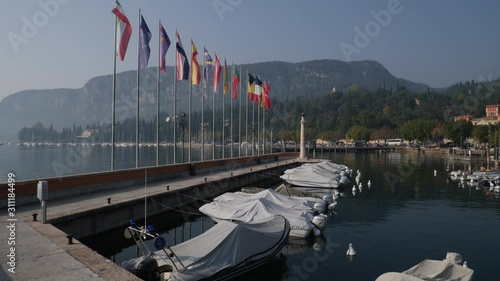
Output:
[[124, 31]]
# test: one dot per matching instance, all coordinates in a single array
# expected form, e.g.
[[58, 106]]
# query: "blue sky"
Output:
[[434, 42]]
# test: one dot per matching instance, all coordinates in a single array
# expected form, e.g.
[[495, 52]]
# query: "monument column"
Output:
[[302, 138]]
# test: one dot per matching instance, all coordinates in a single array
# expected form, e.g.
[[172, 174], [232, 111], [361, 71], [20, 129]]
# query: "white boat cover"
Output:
[[289, 202], [259, 209], [323, 174], [227, 249], [250, 189], [431, 270], [290, 191], [311, 177], [328, 166]]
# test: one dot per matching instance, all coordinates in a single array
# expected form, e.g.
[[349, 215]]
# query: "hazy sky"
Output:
[[63, 43]]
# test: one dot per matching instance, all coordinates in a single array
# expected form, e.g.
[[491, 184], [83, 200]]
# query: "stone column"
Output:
[[302, 138]]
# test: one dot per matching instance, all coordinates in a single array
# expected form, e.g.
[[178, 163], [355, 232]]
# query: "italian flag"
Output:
[[124, 30]]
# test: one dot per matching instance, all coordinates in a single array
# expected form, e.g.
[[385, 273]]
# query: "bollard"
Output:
[[109, 200], [70, 238], [231, 174], [250, 169], [34, 216], [205, 179], [168, 187], [266, 166]]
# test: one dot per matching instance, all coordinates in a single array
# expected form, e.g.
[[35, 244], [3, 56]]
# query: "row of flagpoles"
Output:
[[258, 91]]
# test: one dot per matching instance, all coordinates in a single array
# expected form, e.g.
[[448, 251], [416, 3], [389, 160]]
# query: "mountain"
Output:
[[92, 103]]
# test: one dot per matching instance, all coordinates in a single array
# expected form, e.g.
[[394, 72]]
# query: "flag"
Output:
[[144, 38], [208, 64], [236, 81], [124, 29], [251, 86], [182, 61], [267, 97], [164, 45], [217, 70], [258, 90], [195, 70], [226, 78]]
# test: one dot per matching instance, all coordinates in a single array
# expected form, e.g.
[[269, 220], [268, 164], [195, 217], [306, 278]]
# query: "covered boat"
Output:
[[289, 202], [224, 251], [259, 209], [433, 270], [320, 175], [290, 191]]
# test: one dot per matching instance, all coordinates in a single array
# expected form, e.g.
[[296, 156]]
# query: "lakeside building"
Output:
[[492, 116]]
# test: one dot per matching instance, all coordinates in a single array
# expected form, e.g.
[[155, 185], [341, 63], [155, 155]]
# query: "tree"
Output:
[[459, 131], [417, 129], [439, 131], [385, 132], [480, 134], [328, 136], [358, 132]]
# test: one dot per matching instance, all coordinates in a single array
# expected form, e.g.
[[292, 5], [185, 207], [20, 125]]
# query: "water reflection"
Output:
[[415, 217]]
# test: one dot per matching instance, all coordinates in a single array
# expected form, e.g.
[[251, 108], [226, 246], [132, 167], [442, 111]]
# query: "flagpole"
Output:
[[253, 128], [239, 119], [190, 102], [113, 102], [258, 127], [246, 121], [213, 124], [158, 100], [223, 119], [138, 91], [231, 120], [213, 117], [264, 129], [174, 118], [202, 157]]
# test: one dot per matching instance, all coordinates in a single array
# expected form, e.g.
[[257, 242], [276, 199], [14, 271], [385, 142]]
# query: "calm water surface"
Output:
[[407, 215], [43, 161]]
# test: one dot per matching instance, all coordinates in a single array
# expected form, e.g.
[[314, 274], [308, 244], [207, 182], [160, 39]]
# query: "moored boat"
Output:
[[323, 174], [221, 253], [449, 269], [302, 222]]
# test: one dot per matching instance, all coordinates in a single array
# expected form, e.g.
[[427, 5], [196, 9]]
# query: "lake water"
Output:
[[42, 161], [408, 215]]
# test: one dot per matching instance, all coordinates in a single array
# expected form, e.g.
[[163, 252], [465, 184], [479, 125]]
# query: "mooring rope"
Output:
[[178, 210], [192, 197]]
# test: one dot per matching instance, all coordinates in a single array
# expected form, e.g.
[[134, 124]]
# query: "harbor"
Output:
[[79, 207]]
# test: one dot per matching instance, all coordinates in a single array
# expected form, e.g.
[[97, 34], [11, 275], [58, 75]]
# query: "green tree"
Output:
[[358, 132], [417, 129], [459, 131], [480, 134]]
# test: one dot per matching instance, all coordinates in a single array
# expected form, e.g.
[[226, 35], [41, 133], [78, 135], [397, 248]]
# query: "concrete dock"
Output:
[[42, 252]]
